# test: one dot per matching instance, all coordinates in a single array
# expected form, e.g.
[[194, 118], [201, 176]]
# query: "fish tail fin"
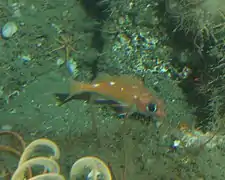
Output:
[[62, 98], [76, 87]]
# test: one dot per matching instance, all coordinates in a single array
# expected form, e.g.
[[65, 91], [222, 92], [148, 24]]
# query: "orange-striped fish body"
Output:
[[126, 92]]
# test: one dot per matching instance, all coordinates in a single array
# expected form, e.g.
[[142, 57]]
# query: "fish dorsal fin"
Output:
[[130, 80], [123, 79], [103, 77]]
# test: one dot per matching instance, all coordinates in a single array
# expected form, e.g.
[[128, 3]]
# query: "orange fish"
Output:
[[126, 94]]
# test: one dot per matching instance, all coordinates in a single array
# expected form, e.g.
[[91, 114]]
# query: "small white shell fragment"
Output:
[[9, 29], [60, 62], [6, 127], [72, 67], [25, 58], [176, 143]]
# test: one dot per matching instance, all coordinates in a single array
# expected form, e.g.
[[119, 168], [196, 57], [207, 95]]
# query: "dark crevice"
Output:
[[200, 65], [99, 14], [200, 76]]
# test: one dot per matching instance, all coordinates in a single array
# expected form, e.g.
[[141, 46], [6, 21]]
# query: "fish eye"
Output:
[[151, 107]]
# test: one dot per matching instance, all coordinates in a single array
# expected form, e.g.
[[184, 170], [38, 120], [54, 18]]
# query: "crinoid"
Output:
[[91, 168], [11, 149], [66, 43], [51, 168], [30, 158], [15, 151]]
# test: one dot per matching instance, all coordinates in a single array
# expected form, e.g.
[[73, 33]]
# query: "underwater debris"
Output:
[[9, 29], [193, 138], [71, 65], [25, 58]]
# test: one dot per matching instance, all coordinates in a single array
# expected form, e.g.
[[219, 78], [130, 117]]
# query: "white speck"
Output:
[[121, 89], [112, 83], [176, 143], [60, 62], [95, 85], [155, 83]]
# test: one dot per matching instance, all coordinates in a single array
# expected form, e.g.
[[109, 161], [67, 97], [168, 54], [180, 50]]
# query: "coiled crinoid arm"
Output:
[[49, 164], [31, 148], [91, 167], [16, 135], [49, 176], [13, 150]]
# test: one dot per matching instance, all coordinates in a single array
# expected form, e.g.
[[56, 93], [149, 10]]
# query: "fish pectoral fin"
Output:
[[123, 110]]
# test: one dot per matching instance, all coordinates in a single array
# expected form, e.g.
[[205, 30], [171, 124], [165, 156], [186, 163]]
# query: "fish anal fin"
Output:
[[122, 109]]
